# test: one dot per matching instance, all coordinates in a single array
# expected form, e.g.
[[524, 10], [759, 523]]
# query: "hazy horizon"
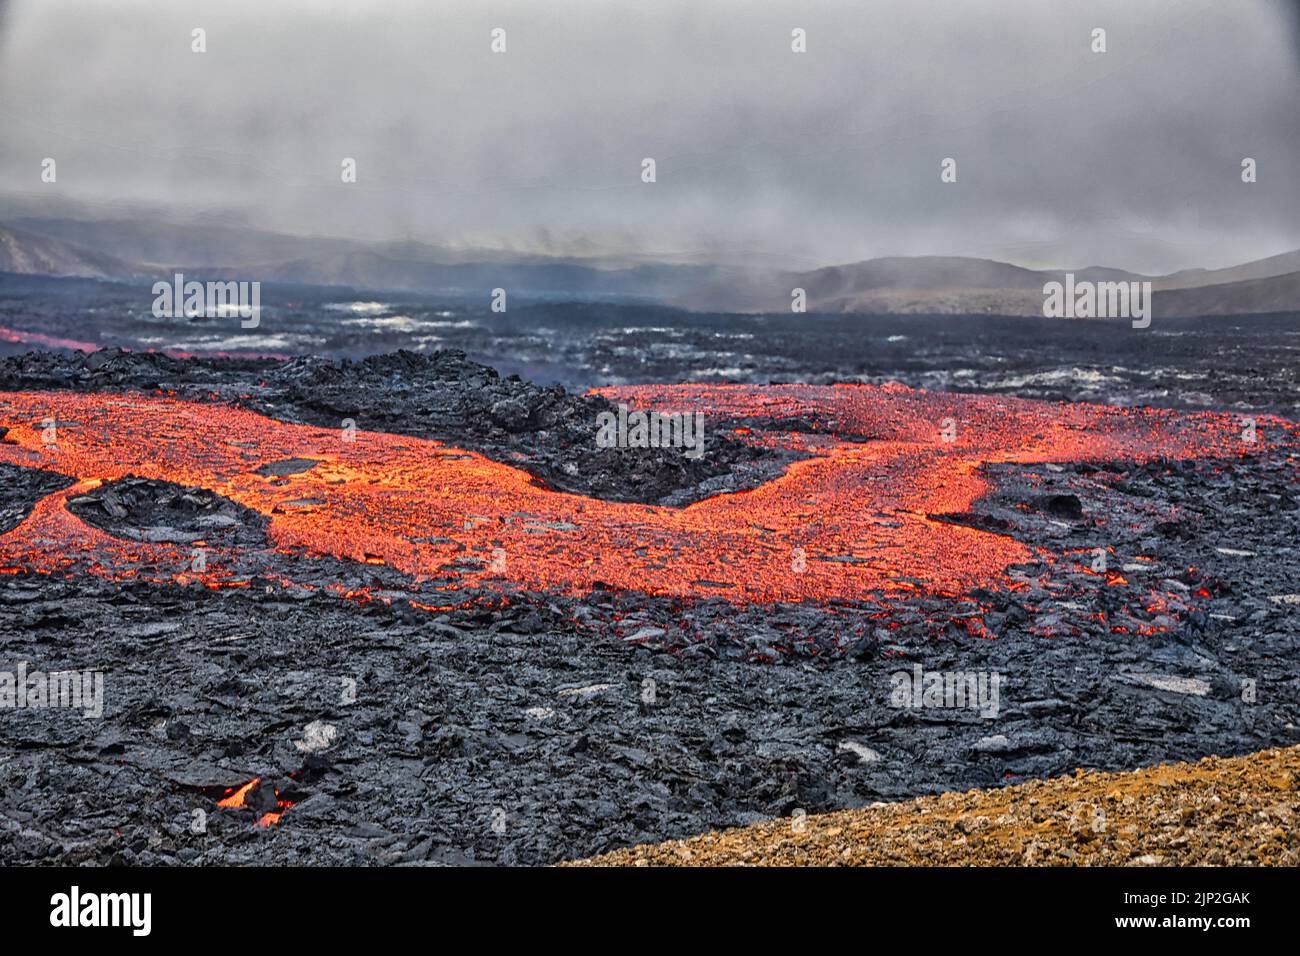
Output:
[[1065, 157]]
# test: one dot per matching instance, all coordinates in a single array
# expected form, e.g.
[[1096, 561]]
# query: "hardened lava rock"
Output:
[[145, 509]]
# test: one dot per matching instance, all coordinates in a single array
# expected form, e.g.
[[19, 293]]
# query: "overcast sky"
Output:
[[1064, 157]]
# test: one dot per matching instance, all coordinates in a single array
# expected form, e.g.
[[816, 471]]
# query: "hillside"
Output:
[[30, 254]]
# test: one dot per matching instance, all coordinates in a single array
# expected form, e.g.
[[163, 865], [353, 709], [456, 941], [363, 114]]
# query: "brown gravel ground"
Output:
[[1218, 811]]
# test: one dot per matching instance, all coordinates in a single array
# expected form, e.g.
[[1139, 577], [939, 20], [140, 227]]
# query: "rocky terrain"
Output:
[[1157, 621], [1216, 812]]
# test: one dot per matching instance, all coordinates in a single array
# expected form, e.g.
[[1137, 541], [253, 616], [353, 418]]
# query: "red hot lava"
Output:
[[235, 799], [846, 522]]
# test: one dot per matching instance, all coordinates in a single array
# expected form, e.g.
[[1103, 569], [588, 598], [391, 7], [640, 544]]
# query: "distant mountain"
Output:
[[896, 285], [234, 252], [162, 245], [953, 285], [1287, 262], [1273, 294], [30, 254]]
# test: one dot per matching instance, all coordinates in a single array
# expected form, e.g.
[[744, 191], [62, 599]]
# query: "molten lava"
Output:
[[235, 798], [850, 520]]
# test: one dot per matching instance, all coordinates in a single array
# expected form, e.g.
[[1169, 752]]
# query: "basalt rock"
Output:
[[150, 510]]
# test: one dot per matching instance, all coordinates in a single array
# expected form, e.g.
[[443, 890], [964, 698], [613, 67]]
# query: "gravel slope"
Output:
[[1215, 812]]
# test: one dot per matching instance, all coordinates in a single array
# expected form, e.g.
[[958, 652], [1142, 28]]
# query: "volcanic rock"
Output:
[[150, 510]]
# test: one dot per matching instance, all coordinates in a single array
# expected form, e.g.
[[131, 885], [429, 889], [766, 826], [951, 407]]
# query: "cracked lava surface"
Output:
[[850, 521]]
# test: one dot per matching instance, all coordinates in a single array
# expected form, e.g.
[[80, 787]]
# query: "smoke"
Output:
[[1064, 156]]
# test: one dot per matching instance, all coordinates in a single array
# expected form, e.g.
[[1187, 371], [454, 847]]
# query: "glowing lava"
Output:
[[848, 521], [234, 799]]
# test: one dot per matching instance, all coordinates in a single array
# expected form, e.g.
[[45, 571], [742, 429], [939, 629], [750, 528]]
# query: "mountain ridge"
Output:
[[901, 285]]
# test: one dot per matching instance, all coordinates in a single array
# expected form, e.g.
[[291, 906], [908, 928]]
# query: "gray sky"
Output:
[[1065, 157]]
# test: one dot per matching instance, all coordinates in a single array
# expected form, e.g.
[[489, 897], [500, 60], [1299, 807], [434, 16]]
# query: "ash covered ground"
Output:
[[1158, 621]]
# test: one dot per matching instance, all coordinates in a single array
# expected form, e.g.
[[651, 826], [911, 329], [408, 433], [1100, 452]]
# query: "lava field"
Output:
[[404, 609]]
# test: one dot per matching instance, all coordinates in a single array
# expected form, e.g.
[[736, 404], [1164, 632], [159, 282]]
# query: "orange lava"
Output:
[[235, 798], [847, 522]]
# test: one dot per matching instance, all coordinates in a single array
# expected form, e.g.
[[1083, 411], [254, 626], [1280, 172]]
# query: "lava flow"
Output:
[[851, 519]]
